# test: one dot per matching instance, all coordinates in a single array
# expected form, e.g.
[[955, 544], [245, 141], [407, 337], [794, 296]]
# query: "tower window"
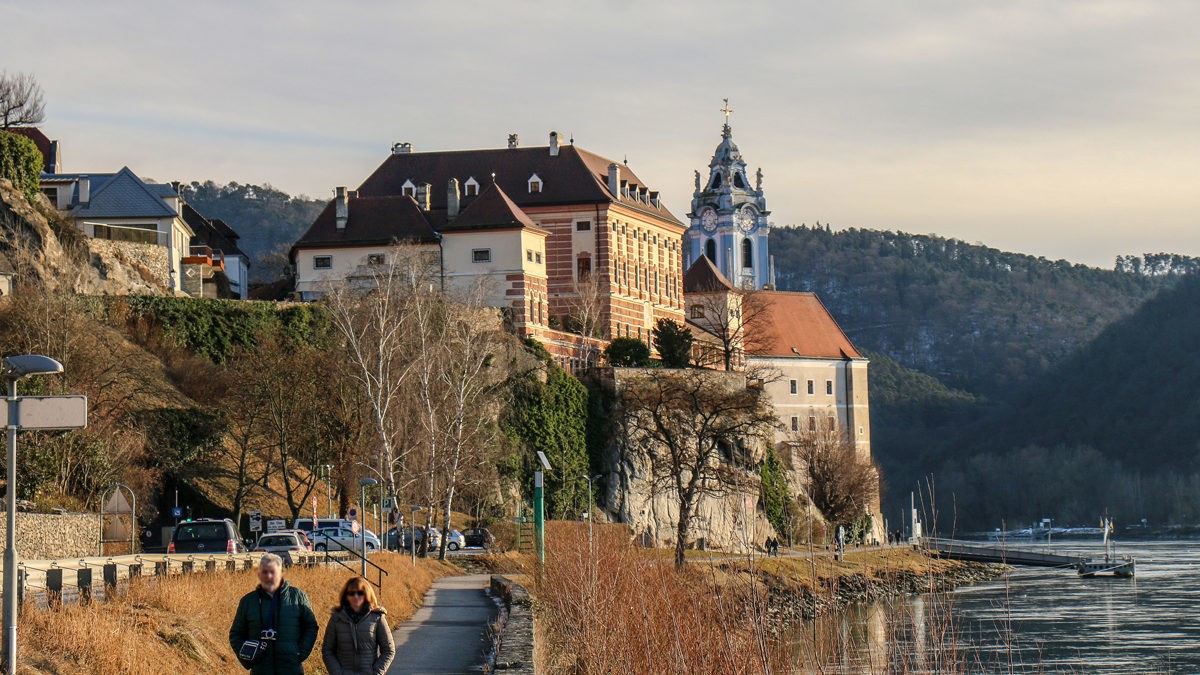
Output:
[[710, 250], [738, 181], [716, 181], [747, 254]]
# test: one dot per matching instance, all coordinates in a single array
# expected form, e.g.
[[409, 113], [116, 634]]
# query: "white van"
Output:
[[306, 524]]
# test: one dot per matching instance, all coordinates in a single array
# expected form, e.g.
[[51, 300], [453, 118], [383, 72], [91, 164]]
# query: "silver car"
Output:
[[342, 539], [280, 542], [455, 540]]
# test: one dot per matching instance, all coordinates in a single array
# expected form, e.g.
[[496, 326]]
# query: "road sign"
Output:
[[387, 503], [176, 512], [256, 523], [354, 526], [352, 514], [117, 504], [48, 412], [273, 525]]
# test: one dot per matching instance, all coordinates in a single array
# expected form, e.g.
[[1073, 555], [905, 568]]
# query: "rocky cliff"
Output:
[[46, 250]]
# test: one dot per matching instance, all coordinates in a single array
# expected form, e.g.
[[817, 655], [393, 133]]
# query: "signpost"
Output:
[[256, 522], [273, 525], [34, 412]]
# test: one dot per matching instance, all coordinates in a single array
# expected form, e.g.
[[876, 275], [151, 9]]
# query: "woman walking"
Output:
[[358, 640]]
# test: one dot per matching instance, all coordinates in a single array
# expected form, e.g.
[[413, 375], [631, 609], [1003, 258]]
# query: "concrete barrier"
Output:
[[515, 644]]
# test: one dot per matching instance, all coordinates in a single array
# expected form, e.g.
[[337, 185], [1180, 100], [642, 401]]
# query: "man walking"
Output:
[[279, 616]]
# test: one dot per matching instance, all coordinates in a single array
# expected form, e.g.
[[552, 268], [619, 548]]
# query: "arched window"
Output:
[[716, 181], [747, 254], [710, 250]]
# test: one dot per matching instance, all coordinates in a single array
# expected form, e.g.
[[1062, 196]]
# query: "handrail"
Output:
[[361, 556]]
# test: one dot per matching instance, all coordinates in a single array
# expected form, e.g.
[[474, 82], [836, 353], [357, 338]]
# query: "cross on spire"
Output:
[[725, 130]]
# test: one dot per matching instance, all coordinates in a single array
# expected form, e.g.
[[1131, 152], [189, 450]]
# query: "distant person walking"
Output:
[[357, 639], [274, 629]]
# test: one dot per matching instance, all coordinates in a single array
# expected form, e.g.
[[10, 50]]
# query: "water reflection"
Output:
[[1033, 620]]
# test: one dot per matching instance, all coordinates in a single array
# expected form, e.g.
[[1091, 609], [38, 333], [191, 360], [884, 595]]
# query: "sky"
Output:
[[1062, 129]]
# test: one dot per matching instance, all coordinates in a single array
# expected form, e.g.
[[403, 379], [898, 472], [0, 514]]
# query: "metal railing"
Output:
[[358, 558]]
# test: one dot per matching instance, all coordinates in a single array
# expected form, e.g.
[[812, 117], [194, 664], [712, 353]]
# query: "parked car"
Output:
[[206, 535], [478, 537], [304, 539], [394, 543], [455, 540], [282, 542], [306, 524], [343, 538]]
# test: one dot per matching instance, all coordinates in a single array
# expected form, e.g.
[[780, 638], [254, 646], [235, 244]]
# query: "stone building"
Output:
[[566, 242]]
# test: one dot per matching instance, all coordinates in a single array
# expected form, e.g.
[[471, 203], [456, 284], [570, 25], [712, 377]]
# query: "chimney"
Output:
[[85, 190], [403, 148], [176, 185], [341, 209], [452, 196], [614, 179], [55, 158], [554, 144], [513, 140], [423, 194]]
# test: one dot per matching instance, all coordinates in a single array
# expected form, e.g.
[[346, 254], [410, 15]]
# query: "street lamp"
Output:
[[329, 487], [362, 501], [15, 368], [412, 542], [591, 506]]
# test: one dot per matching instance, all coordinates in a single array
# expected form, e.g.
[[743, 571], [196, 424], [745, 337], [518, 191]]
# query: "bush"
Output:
[[627, 352], [21, 163]]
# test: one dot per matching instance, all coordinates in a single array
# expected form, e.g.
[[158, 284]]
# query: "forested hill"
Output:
[[977, 318], [267, 219]]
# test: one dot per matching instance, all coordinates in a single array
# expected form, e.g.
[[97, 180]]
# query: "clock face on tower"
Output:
[[708, 220], [744, 219]]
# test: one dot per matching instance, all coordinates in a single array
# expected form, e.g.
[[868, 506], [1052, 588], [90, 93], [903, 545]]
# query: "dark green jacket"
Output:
[[296, 626]]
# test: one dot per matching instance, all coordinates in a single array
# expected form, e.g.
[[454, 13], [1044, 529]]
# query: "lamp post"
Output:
[[15, 368], [412, 542], [329, 487], [362, 501], [591, 506]]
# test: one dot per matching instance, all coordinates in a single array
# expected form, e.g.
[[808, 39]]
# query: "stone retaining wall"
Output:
[[50, 536], [514, 653]]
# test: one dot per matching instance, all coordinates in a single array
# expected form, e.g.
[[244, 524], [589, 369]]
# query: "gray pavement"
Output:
[[449, 634]]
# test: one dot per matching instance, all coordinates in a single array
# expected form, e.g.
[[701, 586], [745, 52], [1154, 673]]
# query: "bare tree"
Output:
[[21, 102], [735, 323], [588, 315], [692, 425], [842, 483], [245, 448]]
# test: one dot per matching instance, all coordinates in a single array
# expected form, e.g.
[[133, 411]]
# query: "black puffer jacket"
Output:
[[296, 626], [362, 648]]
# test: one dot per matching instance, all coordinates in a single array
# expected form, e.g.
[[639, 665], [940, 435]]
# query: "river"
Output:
[[1030, 620]]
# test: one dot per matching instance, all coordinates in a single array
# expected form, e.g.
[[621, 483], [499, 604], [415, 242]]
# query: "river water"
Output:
[[1031, 620]]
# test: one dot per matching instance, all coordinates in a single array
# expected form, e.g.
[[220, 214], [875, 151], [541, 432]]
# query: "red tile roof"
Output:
[[371, 221], [798, 324], [39, 139], [575, 176], [704, 277], [492, 209]]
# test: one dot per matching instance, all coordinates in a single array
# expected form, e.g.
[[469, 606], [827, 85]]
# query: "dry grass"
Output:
[[182, 625]]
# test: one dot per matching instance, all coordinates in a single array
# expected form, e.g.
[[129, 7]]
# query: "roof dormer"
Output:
[[409, 189], [471, 187], [535, 184]]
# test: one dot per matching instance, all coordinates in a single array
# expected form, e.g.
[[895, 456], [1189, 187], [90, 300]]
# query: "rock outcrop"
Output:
[[47, 251]]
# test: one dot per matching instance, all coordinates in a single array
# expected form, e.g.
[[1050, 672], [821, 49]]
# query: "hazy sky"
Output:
[[1064, 129]]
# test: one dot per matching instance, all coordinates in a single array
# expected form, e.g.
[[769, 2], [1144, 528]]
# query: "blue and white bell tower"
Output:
[[729, 218]]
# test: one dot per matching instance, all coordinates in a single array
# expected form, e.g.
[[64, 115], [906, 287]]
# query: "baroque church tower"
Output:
[[729, 218]]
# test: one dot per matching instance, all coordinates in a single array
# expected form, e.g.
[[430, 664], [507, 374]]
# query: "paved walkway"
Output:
[[449, 634]]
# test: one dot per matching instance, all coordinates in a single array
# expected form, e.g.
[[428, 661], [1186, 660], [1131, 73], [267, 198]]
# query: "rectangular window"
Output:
[[583, 226], [375, 259], [795, 423], [795, 387], [583, 268], [472, 189], [812, 423], [529, 254], [832, 423], [811, 390], [698, 313], [537, 257], [409, 192], [322, 262], [481, 255], [535, 186], [829, 387]]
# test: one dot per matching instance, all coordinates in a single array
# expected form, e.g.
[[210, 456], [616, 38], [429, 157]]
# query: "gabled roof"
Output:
[[574, 176], [40, 140], [371, 221], [798, 324], [207, 233], [704, 277], [120, 195], [491, 210]]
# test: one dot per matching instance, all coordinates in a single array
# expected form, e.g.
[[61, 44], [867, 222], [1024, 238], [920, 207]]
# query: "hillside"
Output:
[[977, 318], [267, 219]]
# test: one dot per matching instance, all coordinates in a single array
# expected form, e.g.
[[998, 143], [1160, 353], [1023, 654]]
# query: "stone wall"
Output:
[[514, 651], [50, 536], [131, 267]]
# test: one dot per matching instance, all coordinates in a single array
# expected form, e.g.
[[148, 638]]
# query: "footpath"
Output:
[[450, 633]]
